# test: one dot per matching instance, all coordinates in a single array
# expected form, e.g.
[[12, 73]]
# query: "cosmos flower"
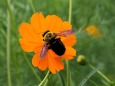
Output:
[[92, 30], [32, 41]]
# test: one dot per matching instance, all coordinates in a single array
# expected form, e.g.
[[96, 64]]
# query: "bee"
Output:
[[51, 42]]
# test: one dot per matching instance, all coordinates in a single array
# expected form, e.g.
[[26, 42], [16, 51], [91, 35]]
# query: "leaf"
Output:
[[87, 77]]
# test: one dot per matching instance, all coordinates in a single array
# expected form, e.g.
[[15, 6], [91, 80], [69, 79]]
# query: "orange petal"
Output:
[[51, 65], [38, 49], [29, 46], [53, 23], [29, 40], [35, 60], [54, 62], [43, 63], [38, 23], [69, 53], [66, 26], [58, 64], [26, 31], [69, 40]]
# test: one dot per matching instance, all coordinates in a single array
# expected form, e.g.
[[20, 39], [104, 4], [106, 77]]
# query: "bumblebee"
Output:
[[51, 42]]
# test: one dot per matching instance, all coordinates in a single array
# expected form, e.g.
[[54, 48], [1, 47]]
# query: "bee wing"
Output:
[[65, 33], [43, 50]]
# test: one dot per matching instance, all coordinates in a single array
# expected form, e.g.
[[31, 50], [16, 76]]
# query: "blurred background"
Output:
[[99, 50]]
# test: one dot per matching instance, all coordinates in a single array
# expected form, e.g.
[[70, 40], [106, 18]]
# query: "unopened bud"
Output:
[[81, 60]]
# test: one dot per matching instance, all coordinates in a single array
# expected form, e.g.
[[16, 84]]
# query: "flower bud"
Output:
[[81, 60]]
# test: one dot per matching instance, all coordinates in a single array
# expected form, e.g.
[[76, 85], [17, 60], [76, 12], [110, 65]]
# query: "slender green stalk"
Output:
[[82, 83], [87, 78], [68, 74], [13, 23], [80, 29], [8, 7], [67, 63], [8, 37], [8, 48], [70, 10], [100, 73], [12, 19], [45, 78], [32, 6], [61, 78], [27, 61]]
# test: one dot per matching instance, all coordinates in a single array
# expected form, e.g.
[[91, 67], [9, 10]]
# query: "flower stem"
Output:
[[44, 78], [70, 10], [32, 6], [27, 61], [68, 74], [67, 63], [100, 73], [87, 78], [8, 50], [8, 47]]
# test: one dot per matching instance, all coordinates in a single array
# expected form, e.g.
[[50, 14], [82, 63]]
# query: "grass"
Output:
[[99, 51]]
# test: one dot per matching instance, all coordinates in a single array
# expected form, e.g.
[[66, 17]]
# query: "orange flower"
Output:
[[92, 30], [32, 41]]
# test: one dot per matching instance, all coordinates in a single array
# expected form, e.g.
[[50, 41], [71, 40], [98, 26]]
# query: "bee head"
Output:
[[48, 35]]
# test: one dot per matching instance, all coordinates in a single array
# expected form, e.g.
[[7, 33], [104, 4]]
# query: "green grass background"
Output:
[[99, 51]]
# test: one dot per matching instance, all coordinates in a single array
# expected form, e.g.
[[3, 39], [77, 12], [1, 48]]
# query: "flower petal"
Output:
[[26, 31], [35, 60], [66, 26], [41, 63], [70, 52], [51, 66], [58, 64], [53, 23], [69, 40], [29, 40], [50, 60], [54, 62], [38, 23], [30, 45]]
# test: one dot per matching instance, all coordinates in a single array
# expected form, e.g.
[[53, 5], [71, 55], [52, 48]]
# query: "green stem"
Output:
[[45, 78], [32, 6], [14, 30], [87, 78], [9, 10], [61, 78], [27, 61], [13, 24], [68, 74], [70, 10], [100, 73], [67, 63], [8, 48]]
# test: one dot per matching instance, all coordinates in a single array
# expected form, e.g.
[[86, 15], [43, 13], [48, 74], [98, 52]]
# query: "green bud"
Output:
[[81, 60]]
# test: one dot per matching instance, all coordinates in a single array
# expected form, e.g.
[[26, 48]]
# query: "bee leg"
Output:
[[48, 44], [49, 47]]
